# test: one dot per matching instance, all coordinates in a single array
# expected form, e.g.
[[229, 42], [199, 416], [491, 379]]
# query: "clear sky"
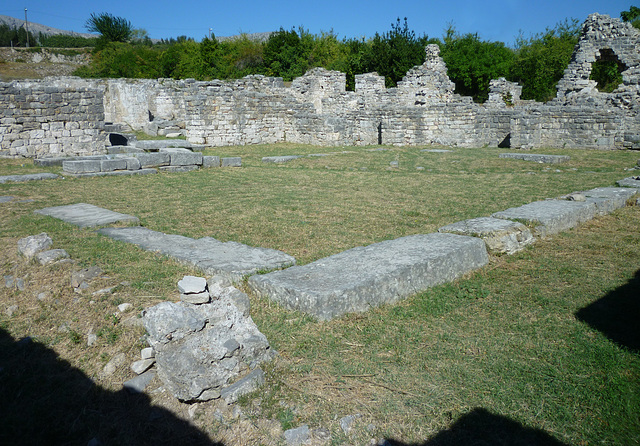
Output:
[[492, 19]]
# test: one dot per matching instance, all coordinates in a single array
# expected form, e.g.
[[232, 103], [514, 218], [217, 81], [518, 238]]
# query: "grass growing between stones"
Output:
[[540, 340]]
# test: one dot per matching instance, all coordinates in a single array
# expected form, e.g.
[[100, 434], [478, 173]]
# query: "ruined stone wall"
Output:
[[45, 118], [51, 118]]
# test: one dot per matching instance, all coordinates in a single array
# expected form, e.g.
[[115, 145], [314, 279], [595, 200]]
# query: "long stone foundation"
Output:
[[67, 117]]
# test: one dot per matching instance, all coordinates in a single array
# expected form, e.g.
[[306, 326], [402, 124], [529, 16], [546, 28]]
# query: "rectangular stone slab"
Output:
[[608, 199], [367, 276], [85, 215], [538, 158], [551, 216], [501, 236], [232, 260]]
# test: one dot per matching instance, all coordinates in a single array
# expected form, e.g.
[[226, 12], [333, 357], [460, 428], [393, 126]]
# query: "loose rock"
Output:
[[30, 246]]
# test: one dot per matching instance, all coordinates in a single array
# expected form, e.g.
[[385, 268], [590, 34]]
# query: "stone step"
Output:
[[501, 236], [86, 215], [369, 276], [231, 260]]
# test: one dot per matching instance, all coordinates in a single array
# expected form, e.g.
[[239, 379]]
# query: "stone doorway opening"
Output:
[[607, 71]]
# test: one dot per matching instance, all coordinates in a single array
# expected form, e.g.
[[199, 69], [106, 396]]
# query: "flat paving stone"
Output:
[[231, 260], [436, 150], [630, 182], [551, 216], [280, 159], [608, 199], [500, 236], [27, 177], [86, 215], [367, 276], [536, 157], [5, 199], [145, 171]]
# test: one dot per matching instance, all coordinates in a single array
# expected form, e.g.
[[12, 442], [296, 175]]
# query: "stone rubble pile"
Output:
[[209, 349]]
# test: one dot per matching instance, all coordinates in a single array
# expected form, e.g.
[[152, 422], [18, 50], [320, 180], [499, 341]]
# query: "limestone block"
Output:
[[360, 278], [279, 159], [84, 166], [552, 159], [113, 165], [32, 245], [153, 159], [186, 159], [500, 236], [210, 161], [232, 162], [551, 216]]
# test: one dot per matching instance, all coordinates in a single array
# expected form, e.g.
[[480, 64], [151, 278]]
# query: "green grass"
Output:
[[522, 343]]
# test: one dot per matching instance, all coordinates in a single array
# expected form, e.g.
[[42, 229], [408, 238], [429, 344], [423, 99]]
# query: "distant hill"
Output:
[[36, 28]]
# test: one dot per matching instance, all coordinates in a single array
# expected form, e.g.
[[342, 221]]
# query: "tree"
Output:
[[632, 16], [110, 28], [541, 60], [472, 63]]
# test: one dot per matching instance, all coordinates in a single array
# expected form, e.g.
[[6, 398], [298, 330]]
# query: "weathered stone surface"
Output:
[[551, 216], [6, 199], [630, 182], [196, 298], [235, 161], [32, 245], [243, 386], [145, 171], [608, 199], [142, 365], [279, 159], [229, 259], [364, 277], [538, 158], [86, 215], [186, 159], [111, 165], [27, 177], [201, 350], [52, 255], [210, 161], [192, 284], [85, 275], [297, 436], [83, 166], [501, 236], [176, 169], [114, 150], [139, 383], [153, 159], [161, 144]]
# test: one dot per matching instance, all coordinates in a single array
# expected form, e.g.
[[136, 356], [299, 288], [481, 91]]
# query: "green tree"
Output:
[[394, 53], [472, 63], [286, 53], [110, 28], [632, 16], [541, 60]]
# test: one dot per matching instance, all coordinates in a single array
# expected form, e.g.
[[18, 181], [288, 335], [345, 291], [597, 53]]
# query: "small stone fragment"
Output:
[[139, 383], [51, 255], [346, 423], [11, 310], [30, 246], [113, 364], [192, 285], [142, 365], [123, 308], [147, 353], [196, 298], [297, 436], [84, 275]]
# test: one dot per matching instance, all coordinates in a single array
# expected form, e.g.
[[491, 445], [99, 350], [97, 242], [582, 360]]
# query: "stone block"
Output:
[[231, 162], [113, 165], [86, 215], [360, 278], [633, 182], [550, 216], [538, 158], [210, 161], [280, 159], [84, 166], [153, 159], [500, 236], [243, 386], [174, 169], [186, 159], [608, 199], [114, 150]]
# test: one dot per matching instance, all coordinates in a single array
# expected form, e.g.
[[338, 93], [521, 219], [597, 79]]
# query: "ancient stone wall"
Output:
[[316, 109], [52, 118]]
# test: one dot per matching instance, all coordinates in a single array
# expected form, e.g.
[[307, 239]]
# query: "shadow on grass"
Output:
[[616, 315], [482, 428], [46, 401]]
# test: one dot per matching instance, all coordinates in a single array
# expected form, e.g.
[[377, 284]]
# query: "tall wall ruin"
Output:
[[316, 109]]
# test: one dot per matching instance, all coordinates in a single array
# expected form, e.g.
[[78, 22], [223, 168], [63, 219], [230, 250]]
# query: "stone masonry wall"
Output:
[[53, 118], [67, 116]]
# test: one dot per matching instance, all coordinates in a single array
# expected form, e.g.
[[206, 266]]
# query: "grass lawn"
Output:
[[536, 348]]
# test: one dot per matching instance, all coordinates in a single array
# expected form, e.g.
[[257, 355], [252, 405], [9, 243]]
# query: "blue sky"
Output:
[[492, 20]]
